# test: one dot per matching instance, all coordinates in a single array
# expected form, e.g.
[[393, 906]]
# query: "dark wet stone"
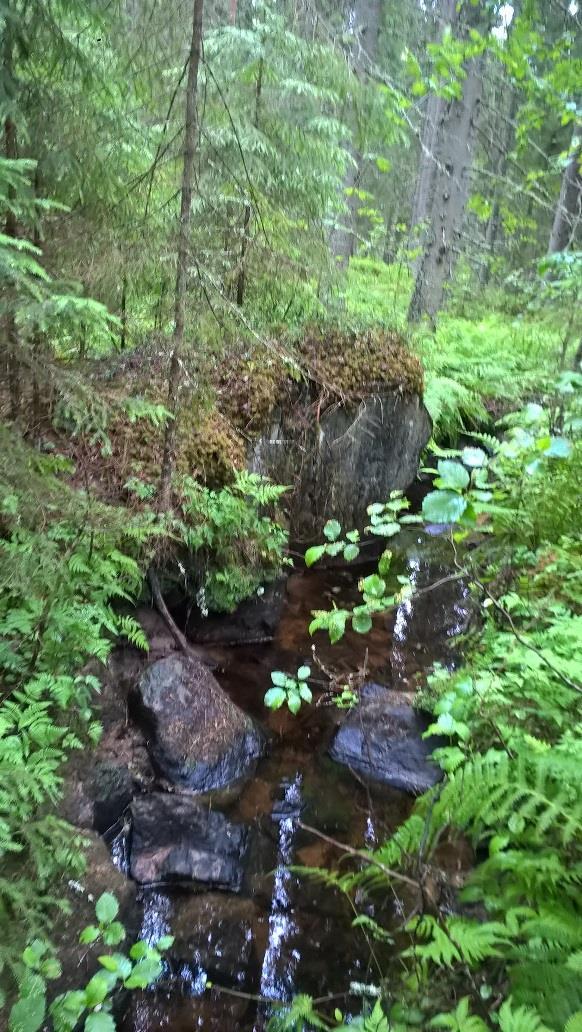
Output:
[[381, 739], [254, 621], [198, 737], [175, 839]]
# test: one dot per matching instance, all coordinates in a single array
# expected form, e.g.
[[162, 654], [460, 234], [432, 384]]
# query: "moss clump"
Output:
[[358, 364], [248, 388], [209, 448]]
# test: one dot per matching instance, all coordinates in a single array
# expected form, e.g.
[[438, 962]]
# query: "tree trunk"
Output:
[[569, 208], [425, 181], [494, 221], [11, 230], [241, 279], [453, 158], [174, 374], [364, 24]]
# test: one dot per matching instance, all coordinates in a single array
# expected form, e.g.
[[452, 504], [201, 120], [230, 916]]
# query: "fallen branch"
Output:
[[181, 640]]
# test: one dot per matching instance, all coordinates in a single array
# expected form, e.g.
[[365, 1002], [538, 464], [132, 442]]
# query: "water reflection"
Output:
[[279, 965]]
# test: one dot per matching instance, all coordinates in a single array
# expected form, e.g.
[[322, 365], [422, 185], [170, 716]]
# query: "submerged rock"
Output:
[[175, 839], [382, 741], [255, 620], [198, 737], [223, 935]]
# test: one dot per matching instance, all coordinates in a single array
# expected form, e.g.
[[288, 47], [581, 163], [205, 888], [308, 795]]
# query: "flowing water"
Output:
[[286, 933]]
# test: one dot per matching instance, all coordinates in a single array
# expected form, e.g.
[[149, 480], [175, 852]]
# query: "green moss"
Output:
[[356, 364]]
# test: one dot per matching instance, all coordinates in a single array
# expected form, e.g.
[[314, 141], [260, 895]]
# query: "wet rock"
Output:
[[198, 737], [254, 621], [175, 839], [100, 799], [222, 935], [355, 454], [381, 739], [156, 1012]]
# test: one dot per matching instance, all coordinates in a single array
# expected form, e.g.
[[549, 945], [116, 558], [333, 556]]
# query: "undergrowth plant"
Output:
[[89, 1008]]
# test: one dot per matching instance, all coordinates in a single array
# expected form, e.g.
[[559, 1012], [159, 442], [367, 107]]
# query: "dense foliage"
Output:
[[194, 198]]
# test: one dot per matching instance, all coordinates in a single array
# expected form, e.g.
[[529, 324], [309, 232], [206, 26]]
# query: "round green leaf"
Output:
[[332, 530], [27, 1015], [351, 552], [106, 908], [362, 622], [303, 673], [274, 698], [99, 1021], [452, 475], [443, 507], [474, 457], [279, 678]]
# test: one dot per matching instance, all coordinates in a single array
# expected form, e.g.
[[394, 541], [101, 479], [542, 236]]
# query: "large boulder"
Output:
[[198, 737], [381, 739], [176, 840], [356, 453]]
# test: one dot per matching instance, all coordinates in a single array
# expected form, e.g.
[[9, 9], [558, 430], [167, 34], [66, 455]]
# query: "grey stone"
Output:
[[176, 840], [355, 455], [381, 739], [198, 737]]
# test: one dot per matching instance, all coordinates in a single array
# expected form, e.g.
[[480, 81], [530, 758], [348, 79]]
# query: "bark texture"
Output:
[[568, 214], [453, 160], [363, 22], [190, 144]]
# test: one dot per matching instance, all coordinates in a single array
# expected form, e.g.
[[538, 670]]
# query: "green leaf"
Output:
[[337, 625], [165, 942], [373, 585], [386, 529], [351, 552], [385, 562], [106, 908], [96, 990], [116, 963], [305, 692], [474, 457], [138, 950], [114, 934], [279, 678], [559, 448], [274, 698], [313, 554], [375, 509], [452, 476], [27, 1015], [144, 973], [99, 1021], [89, 934], [443, 507], [303, 673], [362, 622], [294, 702], [332, 530]]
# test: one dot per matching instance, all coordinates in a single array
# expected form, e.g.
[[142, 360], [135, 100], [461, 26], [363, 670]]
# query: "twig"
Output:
[[361, 855]]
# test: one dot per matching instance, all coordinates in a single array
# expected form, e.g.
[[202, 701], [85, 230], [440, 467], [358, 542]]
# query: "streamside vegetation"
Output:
[[212, 209]]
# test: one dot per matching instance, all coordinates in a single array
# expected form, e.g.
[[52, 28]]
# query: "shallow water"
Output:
[[285, 933]]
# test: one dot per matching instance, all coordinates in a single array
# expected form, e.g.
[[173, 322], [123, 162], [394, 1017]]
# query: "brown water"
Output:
[[286, 933]]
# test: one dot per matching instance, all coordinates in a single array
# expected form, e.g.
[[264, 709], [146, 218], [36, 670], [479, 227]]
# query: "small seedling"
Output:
[[290, 690]]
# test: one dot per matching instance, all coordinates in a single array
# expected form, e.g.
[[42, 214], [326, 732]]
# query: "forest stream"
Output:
[[284, 933]]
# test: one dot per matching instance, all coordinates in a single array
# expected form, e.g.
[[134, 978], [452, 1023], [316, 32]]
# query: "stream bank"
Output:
[[240, 918]]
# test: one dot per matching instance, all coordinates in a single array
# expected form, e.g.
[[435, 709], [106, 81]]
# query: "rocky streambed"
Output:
[[197, 798]]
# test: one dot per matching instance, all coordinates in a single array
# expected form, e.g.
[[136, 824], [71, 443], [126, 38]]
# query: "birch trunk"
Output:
[[568, 214]]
